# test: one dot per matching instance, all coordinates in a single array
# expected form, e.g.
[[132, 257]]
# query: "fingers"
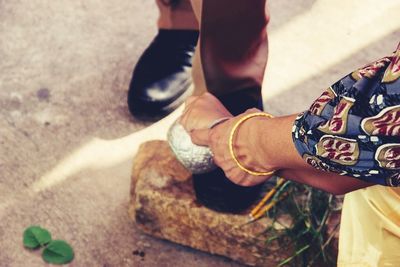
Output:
[[206, 96], [183, 119], [188, 103], [190, 100], [201, 137]]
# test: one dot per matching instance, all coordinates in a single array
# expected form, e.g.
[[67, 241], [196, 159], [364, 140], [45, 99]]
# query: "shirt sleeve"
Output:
[[353, 128]]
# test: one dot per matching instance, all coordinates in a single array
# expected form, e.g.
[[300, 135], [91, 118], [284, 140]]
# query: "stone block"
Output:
[[163, 205]]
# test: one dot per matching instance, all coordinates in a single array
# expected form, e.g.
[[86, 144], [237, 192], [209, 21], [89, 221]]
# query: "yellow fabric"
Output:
[[370, 228]]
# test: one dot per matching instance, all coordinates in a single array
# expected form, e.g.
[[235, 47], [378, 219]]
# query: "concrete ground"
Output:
[[64, 72]]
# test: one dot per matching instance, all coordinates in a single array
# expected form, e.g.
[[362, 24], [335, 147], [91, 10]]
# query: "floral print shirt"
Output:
[[353, 128]]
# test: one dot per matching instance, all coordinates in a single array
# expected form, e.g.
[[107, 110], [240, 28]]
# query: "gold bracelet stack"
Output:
[[232, 134]]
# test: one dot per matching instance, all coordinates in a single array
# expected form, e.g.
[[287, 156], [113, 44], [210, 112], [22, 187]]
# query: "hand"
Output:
[[199, 113]]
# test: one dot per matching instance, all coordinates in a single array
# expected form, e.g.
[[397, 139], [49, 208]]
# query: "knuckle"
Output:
[[217, 160], [252, 110], [246, 183], [190, 98], [212, 135]]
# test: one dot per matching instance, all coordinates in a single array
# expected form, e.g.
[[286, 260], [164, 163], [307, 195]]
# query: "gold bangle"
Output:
[[233, 131]]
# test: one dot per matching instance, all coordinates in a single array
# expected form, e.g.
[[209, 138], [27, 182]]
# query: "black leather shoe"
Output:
[[213, 189], [162, 77], [217, 192]]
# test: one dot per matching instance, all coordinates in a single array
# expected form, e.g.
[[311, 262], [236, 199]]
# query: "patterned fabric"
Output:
[[353, 128]]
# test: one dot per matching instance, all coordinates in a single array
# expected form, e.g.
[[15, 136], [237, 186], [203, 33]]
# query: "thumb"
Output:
[[200, 137]]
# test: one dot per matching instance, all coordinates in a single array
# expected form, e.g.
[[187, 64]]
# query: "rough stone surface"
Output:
[[163, 205]]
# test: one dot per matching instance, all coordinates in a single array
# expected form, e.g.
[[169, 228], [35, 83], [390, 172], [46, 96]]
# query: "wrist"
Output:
[[248, 147], [261, 133], [277, 143]]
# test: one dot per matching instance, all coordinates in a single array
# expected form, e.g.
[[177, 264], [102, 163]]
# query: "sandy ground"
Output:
[[64, 72]]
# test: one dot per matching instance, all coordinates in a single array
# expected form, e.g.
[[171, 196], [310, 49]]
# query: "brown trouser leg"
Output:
[[233, 48], [232, 51], [229, 62], [176, 15]]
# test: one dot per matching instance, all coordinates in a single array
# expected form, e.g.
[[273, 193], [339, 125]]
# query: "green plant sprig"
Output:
[[308, 210]]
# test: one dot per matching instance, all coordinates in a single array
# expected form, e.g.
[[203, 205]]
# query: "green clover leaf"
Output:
[[35, 236], [58, 252]]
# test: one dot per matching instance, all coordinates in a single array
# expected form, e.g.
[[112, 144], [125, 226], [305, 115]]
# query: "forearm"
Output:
[[272, 145], [326, 181]]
